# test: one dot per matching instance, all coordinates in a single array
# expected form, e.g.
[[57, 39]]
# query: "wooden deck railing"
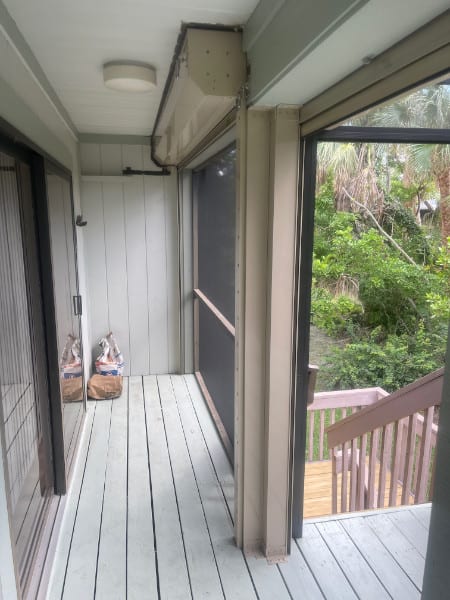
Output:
[[384, 453], [329, 408]]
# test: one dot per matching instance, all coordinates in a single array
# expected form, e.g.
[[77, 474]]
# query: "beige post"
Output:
[[280, 318], [267, 203]]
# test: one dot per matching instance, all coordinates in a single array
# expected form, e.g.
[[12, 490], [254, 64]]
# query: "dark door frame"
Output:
[[43, 225], [14, 142], [26, 204], [305, 240], [51, 167]]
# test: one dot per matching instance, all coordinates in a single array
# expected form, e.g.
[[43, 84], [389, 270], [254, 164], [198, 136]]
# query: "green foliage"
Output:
[[392, 314], [328, 221], [337, 315], [400, 223], [391, 291], [390, 364]]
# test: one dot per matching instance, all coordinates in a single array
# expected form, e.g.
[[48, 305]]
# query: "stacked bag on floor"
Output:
[[71, 371], [107, 382]]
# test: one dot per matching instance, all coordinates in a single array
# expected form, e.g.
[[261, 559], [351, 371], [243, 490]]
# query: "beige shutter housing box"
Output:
[[209, 71]]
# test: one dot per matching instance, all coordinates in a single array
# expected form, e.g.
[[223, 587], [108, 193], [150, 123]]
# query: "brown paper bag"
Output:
[[72, 389], [104, 387]]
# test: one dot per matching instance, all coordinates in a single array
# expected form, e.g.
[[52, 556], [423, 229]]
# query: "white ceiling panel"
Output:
[[72, 39]]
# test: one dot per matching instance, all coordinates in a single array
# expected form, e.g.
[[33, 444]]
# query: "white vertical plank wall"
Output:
[[131, 245]]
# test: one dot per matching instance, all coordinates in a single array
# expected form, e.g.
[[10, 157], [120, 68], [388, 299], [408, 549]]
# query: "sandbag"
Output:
[[104, 387], [72, 389], [110, 361], [71, 365]]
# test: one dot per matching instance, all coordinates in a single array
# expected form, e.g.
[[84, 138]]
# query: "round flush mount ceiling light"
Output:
[[127, 76]]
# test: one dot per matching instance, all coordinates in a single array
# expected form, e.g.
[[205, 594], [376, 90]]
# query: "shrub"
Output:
[[390, 363], [337, 315], [397, 324]]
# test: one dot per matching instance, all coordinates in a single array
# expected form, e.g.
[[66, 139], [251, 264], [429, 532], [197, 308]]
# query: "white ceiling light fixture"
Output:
[[126, 76]]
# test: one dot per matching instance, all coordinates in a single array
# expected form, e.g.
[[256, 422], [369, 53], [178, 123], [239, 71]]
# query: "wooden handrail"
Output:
[[347, 398], [333, 406], [215, 311], [419, 395]]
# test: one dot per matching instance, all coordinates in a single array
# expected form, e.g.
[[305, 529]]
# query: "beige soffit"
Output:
[[208, 75], [419, 57]]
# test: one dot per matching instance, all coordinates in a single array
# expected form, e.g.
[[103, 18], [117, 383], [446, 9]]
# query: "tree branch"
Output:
[[382, 231]]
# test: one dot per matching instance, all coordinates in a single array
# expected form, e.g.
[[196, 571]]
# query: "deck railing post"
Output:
[[333, 481]]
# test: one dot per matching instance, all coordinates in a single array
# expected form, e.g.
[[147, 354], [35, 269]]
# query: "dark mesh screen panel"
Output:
[[216, 354], [215, 187], [215, 193], [23, 366]]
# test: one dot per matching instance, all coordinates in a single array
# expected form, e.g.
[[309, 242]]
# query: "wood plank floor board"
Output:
[[82, 562], [204, 577], [267, 579], [112, 555], [404, 552], [141, 559], [387, 569], [219, 458], [356, 569], [328, 573], [318, 487], [172, 567], [299, 578], [412, 529], [56, 583], [232, 567], [423, 514], [172, 536]]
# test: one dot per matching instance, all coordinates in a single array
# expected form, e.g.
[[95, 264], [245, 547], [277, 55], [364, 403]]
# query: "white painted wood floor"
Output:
[[149, 516]]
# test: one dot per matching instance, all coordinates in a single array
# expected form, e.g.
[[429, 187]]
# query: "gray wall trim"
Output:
[[105, 138], [11, 30], [293, 31]]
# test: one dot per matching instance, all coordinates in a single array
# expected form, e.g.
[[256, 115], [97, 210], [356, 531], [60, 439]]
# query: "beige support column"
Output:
[[280, 320], [267, 143], [254, 179]]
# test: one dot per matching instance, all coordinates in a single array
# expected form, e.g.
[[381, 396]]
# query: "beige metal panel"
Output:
[[420, 56], [210, 72], [280, 325], [254, 168], [267, 143]]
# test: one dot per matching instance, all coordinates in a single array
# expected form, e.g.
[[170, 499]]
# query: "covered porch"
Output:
[[150, 514], [138, 496]]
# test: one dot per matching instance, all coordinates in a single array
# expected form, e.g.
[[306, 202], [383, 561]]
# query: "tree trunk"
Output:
[[444, 204]]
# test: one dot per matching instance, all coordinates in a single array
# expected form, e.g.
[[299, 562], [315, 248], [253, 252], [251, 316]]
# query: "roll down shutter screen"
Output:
[[423, 55]]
